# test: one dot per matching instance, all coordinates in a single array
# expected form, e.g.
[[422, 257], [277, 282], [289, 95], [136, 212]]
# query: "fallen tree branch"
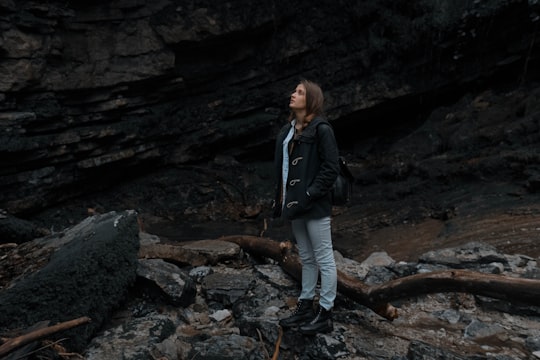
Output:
[[290, 262], [377, 297], [51, 344], [278, 343], [172, 252], [525, 291], [195, 253], [13, 343], [267, 356]]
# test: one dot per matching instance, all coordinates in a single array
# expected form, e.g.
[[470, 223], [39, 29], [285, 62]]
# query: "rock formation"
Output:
[[226, 302], [92, 93], [86, 270]]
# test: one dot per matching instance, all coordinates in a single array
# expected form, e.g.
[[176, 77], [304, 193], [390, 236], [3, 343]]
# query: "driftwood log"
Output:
[[377, 297], [11, 344]]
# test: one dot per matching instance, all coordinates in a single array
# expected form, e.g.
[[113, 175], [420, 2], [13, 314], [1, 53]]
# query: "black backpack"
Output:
[[343, 186]]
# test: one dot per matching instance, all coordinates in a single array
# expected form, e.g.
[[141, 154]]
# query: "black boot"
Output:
[[322, 323], [302, 313]]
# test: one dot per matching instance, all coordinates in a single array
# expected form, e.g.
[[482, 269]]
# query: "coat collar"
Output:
[[311, 129]]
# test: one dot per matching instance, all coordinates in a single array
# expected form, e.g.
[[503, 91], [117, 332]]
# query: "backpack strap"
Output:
[[343, 169]]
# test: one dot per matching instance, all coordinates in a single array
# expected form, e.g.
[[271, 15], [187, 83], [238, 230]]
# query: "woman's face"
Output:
[[298, 98]]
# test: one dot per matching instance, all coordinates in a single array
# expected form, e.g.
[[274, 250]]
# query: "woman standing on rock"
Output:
[[306, 162]]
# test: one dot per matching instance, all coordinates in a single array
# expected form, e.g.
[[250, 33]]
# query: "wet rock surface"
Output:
[[237, 307], [93, 94], [230, 306]]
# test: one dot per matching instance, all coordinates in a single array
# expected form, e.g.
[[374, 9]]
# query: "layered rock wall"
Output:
[[91, 92]]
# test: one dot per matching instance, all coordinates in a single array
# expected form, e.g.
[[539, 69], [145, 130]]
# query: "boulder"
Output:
[[83, 271]]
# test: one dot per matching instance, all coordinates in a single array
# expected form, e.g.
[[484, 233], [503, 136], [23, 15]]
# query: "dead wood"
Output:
[[513, 289], [290, 263], [12, 343], [377, 297], [172, 253], [195, 253], [278, 344]]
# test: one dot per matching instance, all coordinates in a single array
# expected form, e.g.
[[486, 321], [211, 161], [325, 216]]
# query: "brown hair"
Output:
[[314, 101]]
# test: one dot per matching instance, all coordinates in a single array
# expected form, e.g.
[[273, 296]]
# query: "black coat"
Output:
[[313, 169]]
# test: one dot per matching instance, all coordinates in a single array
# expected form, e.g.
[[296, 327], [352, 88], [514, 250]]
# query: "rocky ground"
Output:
[[239, 302], [442, 326], [228, 308]]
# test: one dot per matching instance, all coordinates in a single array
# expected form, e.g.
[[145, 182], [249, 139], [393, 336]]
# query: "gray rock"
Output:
[[200, 272], [379, 258], [471, 254], [451, 315], [479, 329], [134, 339], [350, 267], [275, 275], [176, 286], [327, 347], [419, 350], [230, 347], [533, 343], [227, 288]]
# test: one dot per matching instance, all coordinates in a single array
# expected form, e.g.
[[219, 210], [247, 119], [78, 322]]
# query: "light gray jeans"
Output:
[[314, 241]]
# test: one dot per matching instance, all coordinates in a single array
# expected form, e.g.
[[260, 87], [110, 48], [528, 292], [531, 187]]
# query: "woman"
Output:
[[306, 161]]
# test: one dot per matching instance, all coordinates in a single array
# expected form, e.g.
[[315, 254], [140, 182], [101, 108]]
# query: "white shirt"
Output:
[[285, 164]]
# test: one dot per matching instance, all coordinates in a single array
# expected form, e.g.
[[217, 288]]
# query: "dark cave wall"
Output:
[[91, 93]]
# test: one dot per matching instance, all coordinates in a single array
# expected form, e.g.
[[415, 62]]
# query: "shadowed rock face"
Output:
[[94, 92]]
